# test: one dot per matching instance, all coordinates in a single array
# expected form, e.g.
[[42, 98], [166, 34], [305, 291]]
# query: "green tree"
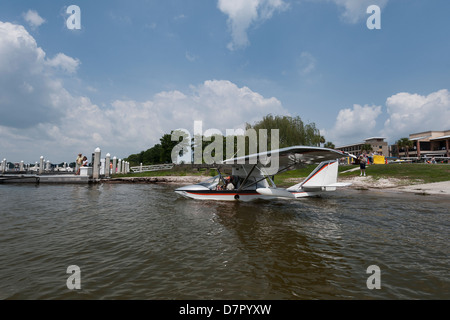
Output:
[[292, 130], [152, 155], [322, 140], [166, 148], [329, 145], [135, 159], [405, 144], [366, 147]]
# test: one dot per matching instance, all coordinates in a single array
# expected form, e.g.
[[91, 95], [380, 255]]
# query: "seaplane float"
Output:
[[252, 176]]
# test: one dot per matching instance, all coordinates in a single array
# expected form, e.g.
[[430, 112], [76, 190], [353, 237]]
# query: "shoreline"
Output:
[[398, 185], [357, 183], [161, 179]]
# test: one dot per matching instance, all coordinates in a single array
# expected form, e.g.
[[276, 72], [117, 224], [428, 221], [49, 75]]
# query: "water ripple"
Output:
[[144, 242]]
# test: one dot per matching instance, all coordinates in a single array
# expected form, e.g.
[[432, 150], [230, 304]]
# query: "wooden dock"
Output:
[[44, 178], [100, 170]]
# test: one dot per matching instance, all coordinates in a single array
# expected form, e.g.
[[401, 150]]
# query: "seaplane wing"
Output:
[[290, 157]]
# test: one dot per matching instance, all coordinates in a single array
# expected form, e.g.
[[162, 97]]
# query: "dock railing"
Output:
[[99, 167], [156, 167]]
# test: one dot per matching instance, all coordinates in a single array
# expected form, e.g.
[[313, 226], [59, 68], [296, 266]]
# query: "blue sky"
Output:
[[139, 69]]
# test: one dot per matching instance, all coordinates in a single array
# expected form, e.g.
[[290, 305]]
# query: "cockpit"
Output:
[[220, 182]]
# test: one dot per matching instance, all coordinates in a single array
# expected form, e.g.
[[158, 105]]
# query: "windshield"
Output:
[[217, 183], [211, 183]]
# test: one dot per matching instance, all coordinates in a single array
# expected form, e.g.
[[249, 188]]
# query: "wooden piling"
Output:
[[96, 164], [114, 167], [107, 164], [41, 165]]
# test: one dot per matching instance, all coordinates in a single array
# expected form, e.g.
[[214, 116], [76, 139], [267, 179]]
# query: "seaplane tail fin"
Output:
[[323, 178]]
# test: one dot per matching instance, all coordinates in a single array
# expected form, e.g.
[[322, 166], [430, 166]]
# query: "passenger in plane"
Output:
[[229, 183], [224, 186]]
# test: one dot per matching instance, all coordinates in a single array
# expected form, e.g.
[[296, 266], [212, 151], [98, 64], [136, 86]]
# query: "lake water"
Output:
[[142, 241]]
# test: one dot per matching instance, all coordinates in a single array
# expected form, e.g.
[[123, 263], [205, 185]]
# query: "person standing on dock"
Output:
[[79, 163]]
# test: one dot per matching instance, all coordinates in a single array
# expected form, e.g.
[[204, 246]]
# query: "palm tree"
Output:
[[321, 140], [366, 147], [399, 144], [404, 143], [329, 145]]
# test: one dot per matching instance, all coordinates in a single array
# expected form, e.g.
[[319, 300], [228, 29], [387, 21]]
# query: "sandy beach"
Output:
[[442, 188], [399, 185]]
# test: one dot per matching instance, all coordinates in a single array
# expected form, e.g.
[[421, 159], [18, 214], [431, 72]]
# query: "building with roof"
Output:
[[379, 146], [429, 144]]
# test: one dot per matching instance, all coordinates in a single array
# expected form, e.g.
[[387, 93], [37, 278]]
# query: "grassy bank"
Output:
[[410, 172], [416, 172], [413, 172]]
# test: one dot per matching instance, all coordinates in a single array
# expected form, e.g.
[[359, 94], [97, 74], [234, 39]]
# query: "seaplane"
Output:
[[252, 176]]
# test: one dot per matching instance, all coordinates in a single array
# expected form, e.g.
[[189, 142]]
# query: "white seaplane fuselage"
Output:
[[249, 184], [243, 195]]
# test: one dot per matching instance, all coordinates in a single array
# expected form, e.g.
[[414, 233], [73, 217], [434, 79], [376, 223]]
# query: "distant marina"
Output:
[[44, 172]]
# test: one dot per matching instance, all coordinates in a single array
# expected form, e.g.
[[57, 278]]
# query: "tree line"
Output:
[[292, 131], [159, 153]]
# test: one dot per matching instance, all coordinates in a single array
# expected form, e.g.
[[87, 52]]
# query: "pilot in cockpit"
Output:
[[229, 183]]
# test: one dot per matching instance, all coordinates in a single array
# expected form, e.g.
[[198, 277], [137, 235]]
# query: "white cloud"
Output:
[[406, 113], [27, 90], [63, 62], [410, 113], [242, 14], [355, 10], [190, 57], [33, 19], [41, 117], [129, 126], [219, 104], [179, 17], [353, 125], [91, 89], [306, 63]]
